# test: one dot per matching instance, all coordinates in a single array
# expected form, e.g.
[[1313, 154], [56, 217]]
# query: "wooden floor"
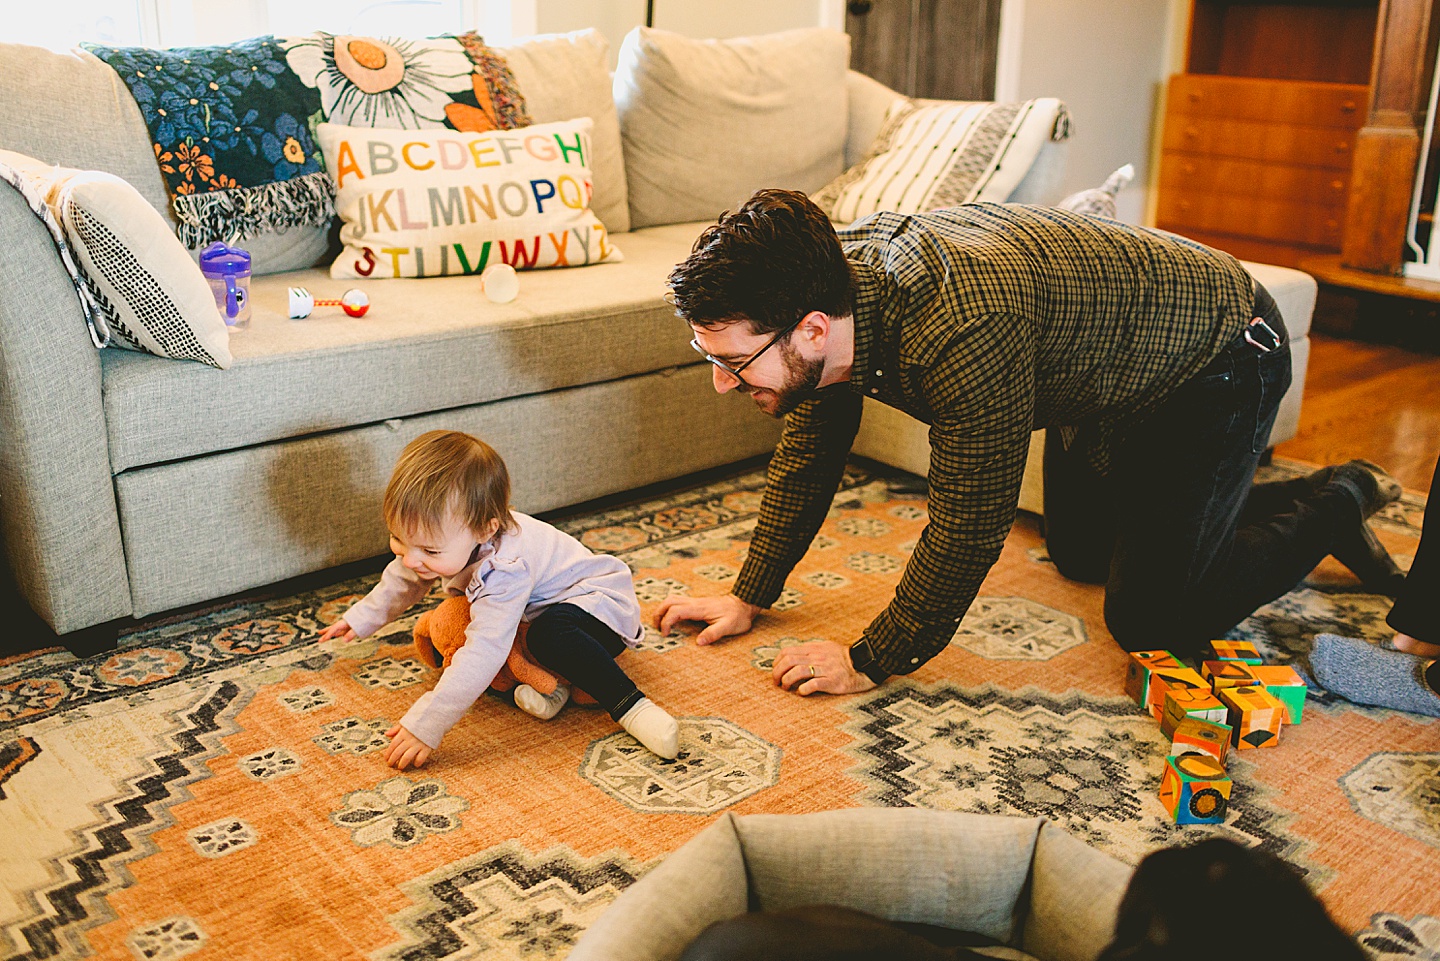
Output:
[[1373, 401]]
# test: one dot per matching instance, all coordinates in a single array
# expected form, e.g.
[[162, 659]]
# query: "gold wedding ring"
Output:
[[812, 670]]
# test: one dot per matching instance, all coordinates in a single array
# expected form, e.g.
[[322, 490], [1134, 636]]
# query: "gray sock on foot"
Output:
[[1363, 673]]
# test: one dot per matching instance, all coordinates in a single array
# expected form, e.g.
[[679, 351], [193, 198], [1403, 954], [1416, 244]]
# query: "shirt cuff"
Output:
[[902, 644], [759, 583]]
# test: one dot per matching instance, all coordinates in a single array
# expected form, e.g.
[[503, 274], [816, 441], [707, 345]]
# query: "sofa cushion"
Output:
[[563, 76], [432, 203], [424, 345], [941, 153], [146, 292], [706, 123]]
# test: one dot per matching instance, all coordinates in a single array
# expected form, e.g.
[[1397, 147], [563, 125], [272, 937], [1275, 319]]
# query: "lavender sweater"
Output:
[[515, 577]]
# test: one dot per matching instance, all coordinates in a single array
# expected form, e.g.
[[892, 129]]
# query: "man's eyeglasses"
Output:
[[735, 371]]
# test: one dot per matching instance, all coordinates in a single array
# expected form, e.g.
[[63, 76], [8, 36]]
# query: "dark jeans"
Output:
[[1184, 544], [1417, 607], [582, 648]]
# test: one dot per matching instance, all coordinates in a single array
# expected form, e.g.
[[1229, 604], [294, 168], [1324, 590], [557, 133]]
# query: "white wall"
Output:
[[693, 18], [1107, 59]]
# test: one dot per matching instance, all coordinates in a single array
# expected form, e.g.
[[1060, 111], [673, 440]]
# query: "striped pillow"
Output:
[[940, 153]]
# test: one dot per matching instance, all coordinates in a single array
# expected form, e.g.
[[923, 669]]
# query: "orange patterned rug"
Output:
[[216, 786]]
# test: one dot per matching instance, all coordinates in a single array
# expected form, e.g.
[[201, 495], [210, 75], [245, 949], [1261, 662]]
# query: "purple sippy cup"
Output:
[[227, 270]]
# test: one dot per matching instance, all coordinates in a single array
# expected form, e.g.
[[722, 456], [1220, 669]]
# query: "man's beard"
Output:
[[802, 380]]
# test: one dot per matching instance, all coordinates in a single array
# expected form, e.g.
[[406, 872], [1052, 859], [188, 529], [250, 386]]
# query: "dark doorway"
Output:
[[938, 49]]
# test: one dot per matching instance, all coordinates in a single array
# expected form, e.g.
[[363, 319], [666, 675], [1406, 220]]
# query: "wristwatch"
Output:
[[862, 659]]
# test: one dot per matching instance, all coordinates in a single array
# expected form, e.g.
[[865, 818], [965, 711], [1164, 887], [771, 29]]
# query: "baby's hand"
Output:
[[340, 630], [405, 749]]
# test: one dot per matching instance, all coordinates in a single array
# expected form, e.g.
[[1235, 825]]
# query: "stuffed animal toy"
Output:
[[439, 633], [1099, 201]]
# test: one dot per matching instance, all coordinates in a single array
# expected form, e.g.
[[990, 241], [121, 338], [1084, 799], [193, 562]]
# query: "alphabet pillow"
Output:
[[433, 203]]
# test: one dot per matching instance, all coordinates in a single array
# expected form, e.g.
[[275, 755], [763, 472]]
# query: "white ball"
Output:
[[500, 283]]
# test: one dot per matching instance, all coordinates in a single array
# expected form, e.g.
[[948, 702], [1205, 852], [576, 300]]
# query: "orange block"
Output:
[[1186, 702], [1255, 715], [1195, 736], [1228, 674], [1137, 672], [1282, 681], [1166, 679], [1235, 651]]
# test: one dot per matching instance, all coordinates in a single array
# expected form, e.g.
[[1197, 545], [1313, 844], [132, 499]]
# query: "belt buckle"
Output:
[[1271, 338]]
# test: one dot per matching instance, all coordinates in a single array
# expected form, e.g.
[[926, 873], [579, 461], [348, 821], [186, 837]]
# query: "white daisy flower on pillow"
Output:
[[370, 82]]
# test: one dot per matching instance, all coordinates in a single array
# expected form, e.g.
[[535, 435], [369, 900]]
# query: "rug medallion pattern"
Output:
[[217, 785]]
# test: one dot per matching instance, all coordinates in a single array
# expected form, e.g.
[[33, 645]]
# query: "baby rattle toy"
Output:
[[302, 303]]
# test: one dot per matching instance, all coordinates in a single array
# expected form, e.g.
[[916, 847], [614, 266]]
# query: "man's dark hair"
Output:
[[770, 262], [1216, 898]]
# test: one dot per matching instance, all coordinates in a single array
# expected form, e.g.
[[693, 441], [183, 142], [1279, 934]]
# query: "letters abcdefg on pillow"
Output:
[[433, 203]]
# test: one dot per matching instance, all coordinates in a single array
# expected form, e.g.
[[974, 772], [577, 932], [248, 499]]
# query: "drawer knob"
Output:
[[1193, 95], [1347, 107], [1192, 132], [1332, 224], [1188, 168], [1337, 184], [1184, 205], [1342, 147]]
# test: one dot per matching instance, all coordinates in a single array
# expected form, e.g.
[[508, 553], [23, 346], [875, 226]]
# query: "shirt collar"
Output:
[[868, 371]]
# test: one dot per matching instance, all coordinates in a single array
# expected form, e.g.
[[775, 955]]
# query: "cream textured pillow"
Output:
[[706, 123], [567, 75], [153, 296], [941, 153], [433, 203]]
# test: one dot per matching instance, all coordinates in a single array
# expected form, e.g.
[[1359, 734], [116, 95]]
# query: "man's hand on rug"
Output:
[[725, 615], [818, 666], [405, 749], [338, 631]]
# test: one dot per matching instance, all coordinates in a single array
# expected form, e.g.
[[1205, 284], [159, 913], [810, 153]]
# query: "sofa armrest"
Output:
[[664, 911], [57, 499], [1075, 891]]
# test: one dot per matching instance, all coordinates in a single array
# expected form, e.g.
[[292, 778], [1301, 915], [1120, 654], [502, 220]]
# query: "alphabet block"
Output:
[[1228, 674], [1282, 681], [1232, 651], [1137, 672], [1195, 789], [1194, 736], [1184, 702], [1165, 679], [1255, 714]]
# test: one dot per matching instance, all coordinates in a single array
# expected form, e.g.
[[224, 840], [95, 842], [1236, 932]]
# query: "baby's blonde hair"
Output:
[[445, 473]]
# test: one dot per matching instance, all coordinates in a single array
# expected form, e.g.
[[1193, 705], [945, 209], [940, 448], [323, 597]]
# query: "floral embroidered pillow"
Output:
[[434, 203]]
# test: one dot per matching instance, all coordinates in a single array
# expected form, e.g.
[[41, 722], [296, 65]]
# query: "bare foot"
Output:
[[1410, 645]]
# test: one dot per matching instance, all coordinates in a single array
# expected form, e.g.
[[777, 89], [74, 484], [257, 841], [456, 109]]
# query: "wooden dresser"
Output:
[[1259, 134]]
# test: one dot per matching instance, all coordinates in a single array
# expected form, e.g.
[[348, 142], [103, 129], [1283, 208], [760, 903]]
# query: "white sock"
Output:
[[648, 723], [533, 702]]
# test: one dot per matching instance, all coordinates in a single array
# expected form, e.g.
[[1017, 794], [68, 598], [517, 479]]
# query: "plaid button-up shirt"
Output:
[[987, 321]]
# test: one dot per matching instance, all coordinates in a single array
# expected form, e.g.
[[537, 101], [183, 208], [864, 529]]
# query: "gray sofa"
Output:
[[1023, 882], [132, 484]]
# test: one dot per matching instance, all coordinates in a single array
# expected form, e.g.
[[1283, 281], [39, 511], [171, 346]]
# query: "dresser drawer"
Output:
[[1185, 173], [1248, 216], [1284, 144], [1340, 105]]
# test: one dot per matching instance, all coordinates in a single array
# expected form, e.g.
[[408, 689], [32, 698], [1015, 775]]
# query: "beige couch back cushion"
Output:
[[706, 123], [563, 76]]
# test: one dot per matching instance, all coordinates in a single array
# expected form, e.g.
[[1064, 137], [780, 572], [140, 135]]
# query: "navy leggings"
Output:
[[574, 643]]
